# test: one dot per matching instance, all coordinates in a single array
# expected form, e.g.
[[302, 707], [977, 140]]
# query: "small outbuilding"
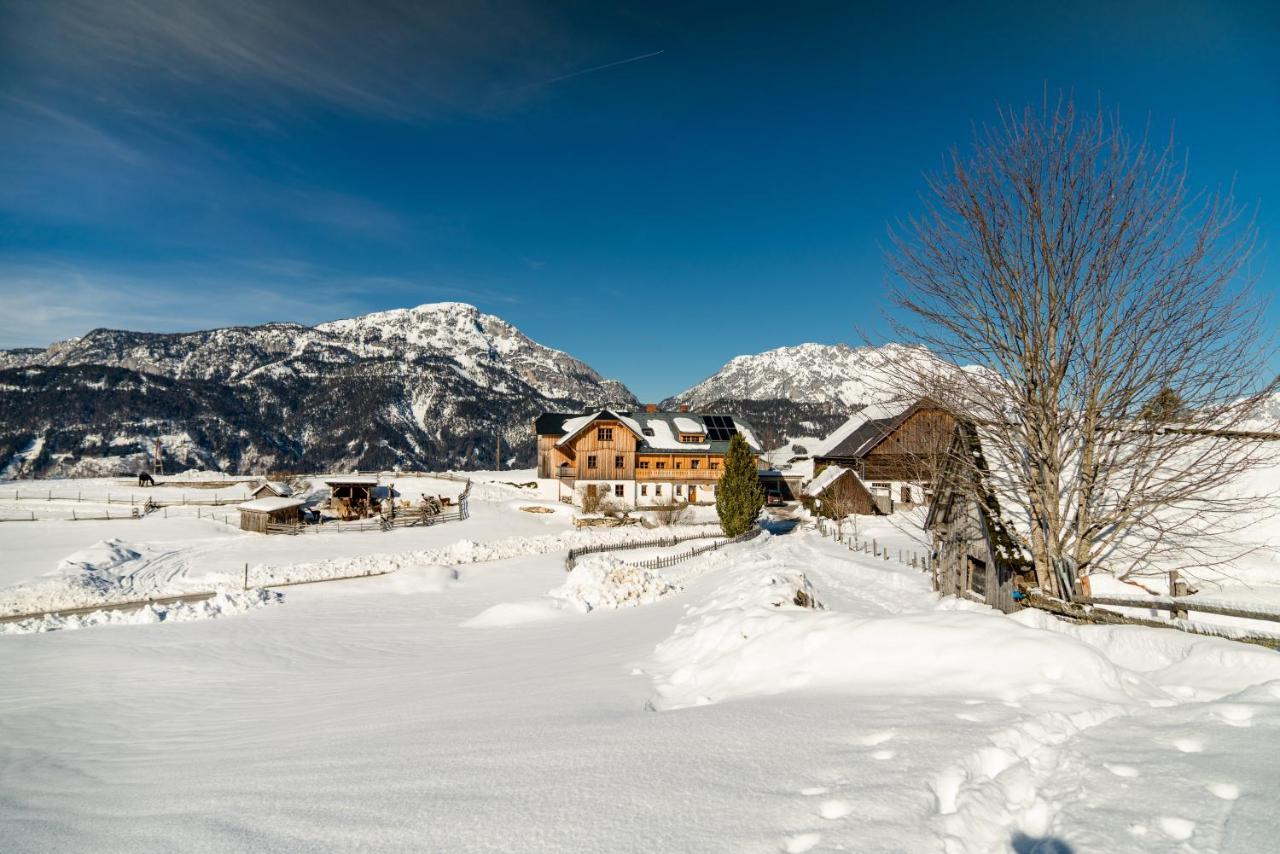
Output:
[[352, 497], [840, 492], [257, 514], [273, 489]]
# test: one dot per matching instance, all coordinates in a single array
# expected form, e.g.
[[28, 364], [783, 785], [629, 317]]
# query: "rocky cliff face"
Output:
[[429, 387]]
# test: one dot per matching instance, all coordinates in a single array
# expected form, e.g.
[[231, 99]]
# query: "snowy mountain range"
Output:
[[837, 374], [436, 386], [433, 386]]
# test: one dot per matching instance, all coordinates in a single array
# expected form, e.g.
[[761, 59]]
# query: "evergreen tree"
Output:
[[1165, 406], [739, 495]]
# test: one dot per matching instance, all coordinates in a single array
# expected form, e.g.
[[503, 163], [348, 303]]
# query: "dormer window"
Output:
[[648, 431], [690, 438]]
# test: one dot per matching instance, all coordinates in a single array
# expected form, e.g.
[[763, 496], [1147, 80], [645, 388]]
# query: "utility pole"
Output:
[[497, 454]]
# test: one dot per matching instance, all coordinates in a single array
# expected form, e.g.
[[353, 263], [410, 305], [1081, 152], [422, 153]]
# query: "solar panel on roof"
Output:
[[720, 428]]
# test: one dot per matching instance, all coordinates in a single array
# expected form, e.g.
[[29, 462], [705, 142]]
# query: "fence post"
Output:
[[246, 576], [1177, 587], [875, 548]]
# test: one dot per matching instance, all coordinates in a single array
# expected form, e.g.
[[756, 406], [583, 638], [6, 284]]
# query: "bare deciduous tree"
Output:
[[1116, 333]]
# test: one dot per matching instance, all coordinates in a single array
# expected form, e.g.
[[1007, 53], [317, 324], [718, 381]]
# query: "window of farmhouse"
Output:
[[906, 495], [648, 431], [693, 464], [661, 464], [644, 489], [617, 462], [678, 464], [657, 489], [604, 434], [617, 489], [679, 490], [715, 464], [643, 464], [591, 462], [690, 438]]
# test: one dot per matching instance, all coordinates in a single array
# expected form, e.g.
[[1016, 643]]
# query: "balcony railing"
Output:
[[679, 474]]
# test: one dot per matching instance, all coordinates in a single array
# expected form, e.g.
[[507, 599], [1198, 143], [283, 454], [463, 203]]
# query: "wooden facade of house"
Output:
[[974, 556], [606, 450], [913, 449], [644, 459]]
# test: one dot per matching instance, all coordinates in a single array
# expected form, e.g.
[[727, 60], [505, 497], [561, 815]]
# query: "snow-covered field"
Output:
[[479, 698]]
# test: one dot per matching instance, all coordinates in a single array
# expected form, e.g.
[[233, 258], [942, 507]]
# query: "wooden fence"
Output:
[[571, 559], [907, 557], [403, 519], [132, 499], [672, 560]]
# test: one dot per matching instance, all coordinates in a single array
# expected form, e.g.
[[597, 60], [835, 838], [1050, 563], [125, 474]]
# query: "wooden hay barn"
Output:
[[255, 515], [272, 489], [974, 555]]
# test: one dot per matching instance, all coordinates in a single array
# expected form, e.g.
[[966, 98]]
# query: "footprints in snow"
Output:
[[1121, 770], [836, 808], [801, 842], [1233, 714]]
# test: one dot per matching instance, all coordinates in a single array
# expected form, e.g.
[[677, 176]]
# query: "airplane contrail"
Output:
[[598, 68]]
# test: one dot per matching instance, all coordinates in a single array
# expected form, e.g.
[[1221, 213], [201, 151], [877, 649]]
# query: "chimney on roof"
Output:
[[651, 407], [684, 407]]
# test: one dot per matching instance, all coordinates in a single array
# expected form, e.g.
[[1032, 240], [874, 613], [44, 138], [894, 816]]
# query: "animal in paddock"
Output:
[[145, 479]]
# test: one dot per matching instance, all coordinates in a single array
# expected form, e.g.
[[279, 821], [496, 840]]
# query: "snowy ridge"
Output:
[[438, 386], [813, 373]]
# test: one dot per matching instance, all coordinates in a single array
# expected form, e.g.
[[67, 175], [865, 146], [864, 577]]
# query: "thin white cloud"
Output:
[[51, 301]]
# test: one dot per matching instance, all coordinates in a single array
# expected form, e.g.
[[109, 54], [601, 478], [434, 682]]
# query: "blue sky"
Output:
[[171, 165]]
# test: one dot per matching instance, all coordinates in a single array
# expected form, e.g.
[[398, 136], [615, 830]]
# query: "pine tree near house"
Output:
[[739, 496]]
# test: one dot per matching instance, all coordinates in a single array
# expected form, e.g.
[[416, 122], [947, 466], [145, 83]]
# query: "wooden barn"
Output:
[[273, 489], [351, 497], [838, 492], [255, 515], [896, 449], [974, 555]]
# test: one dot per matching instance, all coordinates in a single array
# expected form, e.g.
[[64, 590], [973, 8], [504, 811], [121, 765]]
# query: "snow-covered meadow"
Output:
[[476, 697]]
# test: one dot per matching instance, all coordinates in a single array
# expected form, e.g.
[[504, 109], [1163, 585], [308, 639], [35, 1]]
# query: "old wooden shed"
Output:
[[257, 514]]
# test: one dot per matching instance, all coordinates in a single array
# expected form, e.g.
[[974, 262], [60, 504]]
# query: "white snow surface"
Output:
[[480, 698], [688, 425]]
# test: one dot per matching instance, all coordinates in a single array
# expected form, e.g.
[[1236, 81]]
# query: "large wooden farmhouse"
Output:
[[893, 453], [637, 459]]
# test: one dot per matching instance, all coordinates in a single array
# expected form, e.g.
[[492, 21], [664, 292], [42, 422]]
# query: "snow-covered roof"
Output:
[[279, 488], [665, 439], [825, 478], [352, 480], [655, 431], [270, 505], [687, 425], [856, 422], [574, 426]]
